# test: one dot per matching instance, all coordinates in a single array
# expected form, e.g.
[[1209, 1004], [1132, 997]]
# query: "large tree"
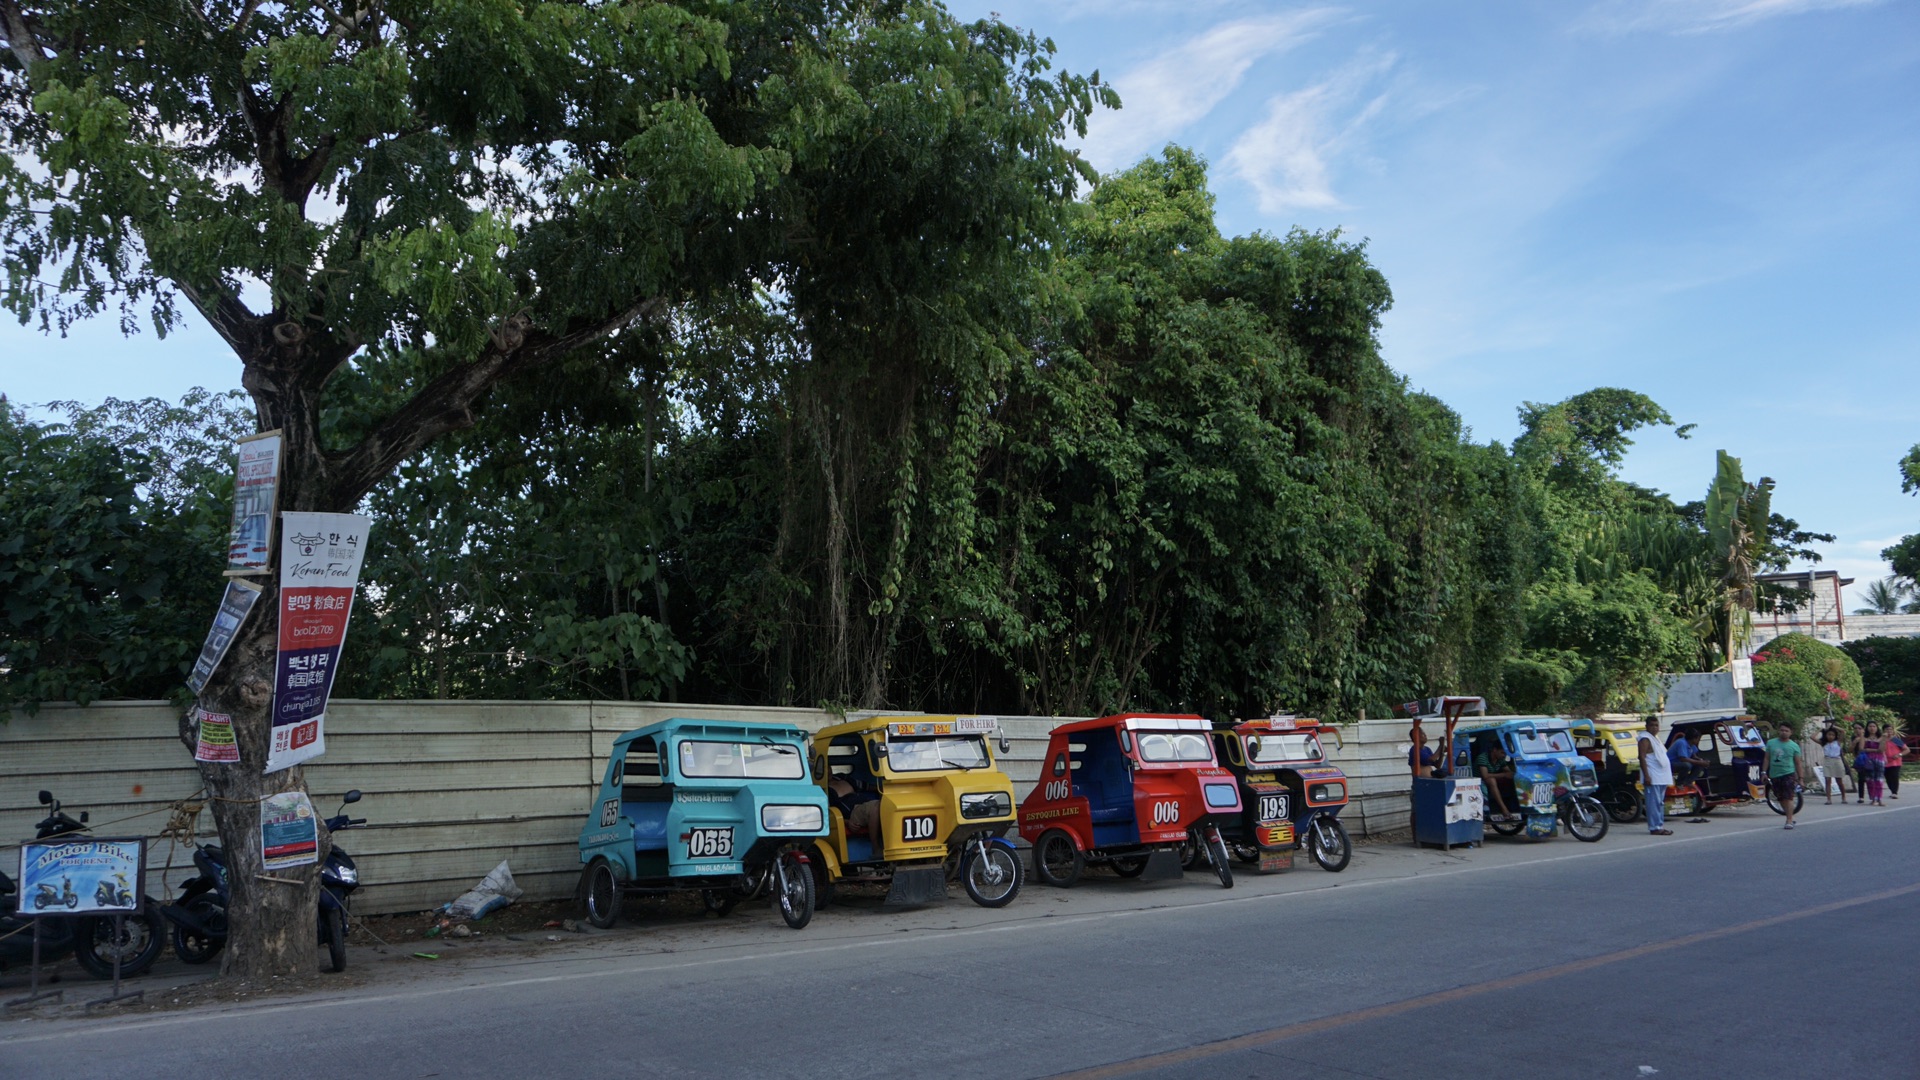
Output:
[[387, 210]]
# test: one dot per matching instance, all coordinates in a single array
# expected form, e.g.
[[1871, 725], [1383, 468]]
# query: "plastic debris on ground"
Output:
[[494, 892]]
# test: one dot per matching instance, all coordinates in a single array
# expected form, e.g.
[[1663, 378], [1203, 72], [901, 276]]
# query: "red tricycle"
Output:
[[1130, 792]]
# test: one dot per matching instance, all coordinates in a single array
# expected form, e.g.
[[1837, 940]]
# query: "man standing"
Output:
[[1656, 775], [1783, 768]]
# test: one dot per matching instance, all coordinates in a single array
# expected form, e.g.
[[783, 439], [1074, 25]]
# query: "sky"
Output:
[[1712, 202]]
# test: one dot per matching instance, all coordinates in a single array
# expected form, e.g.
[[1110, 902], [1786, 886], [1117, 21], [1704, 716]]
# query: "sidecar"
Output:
[[722, 807]]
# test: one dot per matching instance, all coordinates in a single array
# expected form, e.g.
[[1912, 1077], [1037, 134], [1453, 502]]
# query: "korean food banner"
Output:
[[256, 486], [320, 556]]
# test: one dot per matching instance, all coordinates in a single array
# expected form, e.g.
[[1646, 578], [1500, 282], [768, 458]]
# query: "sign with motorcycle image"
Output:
[[96, 876], [320, 557]]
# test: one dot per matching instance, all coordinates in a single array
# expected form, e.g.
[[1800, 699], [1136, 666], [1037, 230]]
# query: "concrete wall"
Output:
[[453, 787]]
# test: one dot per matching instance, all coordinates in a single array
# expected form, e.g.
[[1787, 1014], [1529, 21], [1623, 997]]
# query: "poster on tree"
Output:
[[289, 836], [256, 487], [234, 607], [320, 556]]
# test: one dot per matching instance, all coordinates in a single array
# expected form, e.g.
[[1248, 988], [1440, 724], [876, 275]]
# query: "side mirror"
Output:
[[46, 797], [1006, 744], [879, 747], [352, 796]]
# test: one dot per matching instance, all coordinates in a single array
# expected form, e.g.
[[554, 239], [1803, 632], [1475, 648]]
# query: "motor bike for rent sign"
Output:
[[98, 875], [320, 558]]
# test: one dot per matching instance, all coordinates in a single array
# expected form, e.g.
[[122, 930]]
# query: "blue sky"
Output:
[[1714, 202]]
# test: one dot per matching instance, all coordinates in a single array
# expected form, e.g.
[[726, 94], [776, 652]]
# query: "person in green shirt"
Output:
[[1492, 766], [1783, 768]]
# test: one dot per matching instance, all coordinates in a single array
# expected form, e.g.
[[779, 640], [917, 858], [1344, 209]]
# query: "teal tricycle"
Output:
[[722, 807], [1539, 776]]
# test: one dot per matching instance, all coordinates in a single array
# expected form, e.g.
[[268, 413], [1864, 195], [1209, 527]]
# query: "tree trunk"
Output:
[[272, 926]]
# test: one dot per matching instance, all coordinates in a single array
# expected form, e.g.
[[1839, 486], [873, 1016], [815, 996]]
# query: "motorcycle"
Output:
[[113, 893], [199, 913], [93, 939]]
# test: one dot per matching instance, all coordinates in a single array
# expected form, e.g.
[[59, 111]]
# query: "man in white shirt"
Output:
[[1656, 775]]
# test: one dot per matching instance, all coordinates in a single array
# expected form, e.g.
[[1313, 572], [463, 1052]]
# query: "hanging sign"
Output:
[[216, 737], [82, 877], [320, 557], [289, 833], [256, 488], [234, 607]]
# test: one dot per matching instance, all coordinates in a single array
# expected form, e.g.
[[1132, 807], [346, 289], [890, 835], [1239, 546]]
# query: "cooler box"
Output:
[[1447, 812]]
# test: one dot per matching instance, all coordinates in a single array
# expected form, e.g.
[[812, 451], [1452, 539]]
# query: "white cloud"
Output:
[[1698, 16], [1182, 85], [1285, 157]]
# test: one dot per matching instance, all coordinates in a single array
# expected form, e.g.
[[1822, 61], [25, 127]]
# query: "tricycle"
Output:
[[1614, 748], [1130, 792], [1289, 793], [914, 801], [722, 807], [1540, 777], [1734, 774]]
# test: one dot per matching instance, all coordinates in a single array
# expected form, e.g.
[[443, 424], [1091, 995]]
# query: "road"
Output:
[[1734, 948]]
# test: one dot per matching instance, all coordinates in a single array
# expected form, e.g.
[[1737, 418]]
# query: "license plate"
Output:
[[1273, 807], [917, 829], [710, 843], [1540, 796]]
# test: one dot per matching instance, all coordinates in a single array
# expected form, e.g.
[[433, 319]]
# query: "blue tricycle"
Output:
[[1543, 779], [723, 807]]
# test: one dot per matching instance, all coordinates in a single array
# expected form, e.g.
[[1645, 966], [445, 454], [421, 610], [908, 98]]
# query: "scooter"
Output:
[[199, 913], [92, 939], [113, 893]]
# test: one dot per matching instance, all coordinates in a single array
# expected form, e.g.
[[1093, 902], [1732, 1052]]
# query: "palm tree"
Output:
[[1884, 596]]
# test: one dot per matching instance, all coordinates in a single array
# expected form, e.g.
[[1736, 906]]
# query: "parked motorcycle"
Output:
[[93, 939], [199, 913]]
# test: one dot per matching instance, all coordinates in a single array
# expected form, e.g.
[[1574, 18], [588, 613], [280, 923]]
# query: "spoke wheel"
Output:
[[1586, 819], [601, 894], [992, 880], [1328, 843], [1056, 861], [193, 947], [795, 893], [1246, 853], [1129, 866], [1773, 801], [1623, 804], [1509, 827]]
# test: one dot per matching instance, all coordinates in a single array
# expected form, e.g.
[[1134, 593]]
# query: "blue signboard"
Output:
[[82, 877]]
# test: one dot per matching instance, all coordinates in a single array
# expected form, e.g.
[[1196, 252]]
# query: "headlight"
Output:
[[347, 875], [792, 818], [1327, 792], [987, 804], [1220, 795]]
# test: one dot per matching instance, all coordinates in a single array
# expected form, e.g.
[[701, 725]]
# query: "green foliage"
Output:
[[1884, 596], [112, 538], [1796, 676], [1890, 670]]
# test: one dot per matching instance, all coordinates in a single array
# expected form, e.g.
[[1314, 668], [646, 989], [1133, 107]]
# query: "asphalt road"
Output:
[[1732, 949]]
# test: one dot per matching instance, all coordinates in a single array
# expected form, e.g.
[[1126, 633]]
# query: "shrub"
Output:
[[1796, 676], [1891, 670]]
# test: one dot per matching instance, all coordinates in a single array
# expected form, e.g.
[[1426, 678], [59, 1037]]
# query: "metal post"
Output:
[[119, 946], [34, 993]]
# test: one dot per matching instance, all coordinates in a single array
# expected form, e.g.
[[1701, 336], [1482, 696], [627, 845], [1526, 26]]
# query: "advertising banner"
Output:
[[216, 737], [234, 607], [82, 877], [289, 833], [320, 556], [256, 488]]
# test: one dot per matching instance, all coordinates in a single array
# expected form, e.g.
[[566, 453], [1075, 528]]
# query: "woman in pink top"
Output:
[[1873, 751]]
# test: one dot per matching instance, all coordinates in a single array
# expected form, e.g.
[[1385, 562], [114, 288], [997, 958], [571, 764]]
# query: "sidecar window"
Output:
[[643, 764]]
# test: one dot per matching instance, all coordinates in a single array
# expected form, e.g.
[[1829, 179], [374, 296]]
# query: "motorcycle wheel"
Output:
[[1623, 804], [142, 936], [1056, 861], [1246, 853], [1329, 844], [1217, 854], [334, 922], [1509, 827], [600, 894], [795, 899], [719, 903], [1192, 852], [993, 881], [1773, 801], [73, 902], [1128, 866], [1586, 819], [194, 948]]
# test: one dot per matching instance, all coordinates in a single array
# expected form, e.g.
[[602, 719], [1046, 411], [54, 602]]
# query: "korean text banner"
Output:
[[256, 486], [67, 877], [320, 556]]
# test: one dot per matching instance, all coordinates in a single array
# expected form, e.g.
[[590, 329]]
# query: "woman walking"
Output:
[[1872, 762], [1833, 764], [1895, 753]]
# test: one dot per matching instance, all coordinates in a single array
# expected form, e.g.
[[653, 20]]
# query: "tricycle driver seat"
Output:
[[1102, 780]]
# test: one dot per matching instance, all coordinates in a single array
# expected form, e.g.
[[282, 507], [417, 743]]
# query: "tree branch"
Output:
[[236, 324], [446, 404], [23, 37]]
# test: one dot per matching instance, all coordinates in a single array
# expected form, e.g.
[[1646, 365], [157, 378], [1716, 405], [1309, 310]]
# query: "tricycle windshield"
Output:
[[702, 758], [939, 752], [1543, 742], [1295, 746], [1173, 746], [1745, 735]]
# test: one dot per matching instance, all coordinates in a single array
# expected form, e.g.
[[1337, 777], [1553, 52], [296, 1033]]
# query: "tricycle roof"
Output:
[[1137, 721], [908, 725], [739, 729], [1274, 723]]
